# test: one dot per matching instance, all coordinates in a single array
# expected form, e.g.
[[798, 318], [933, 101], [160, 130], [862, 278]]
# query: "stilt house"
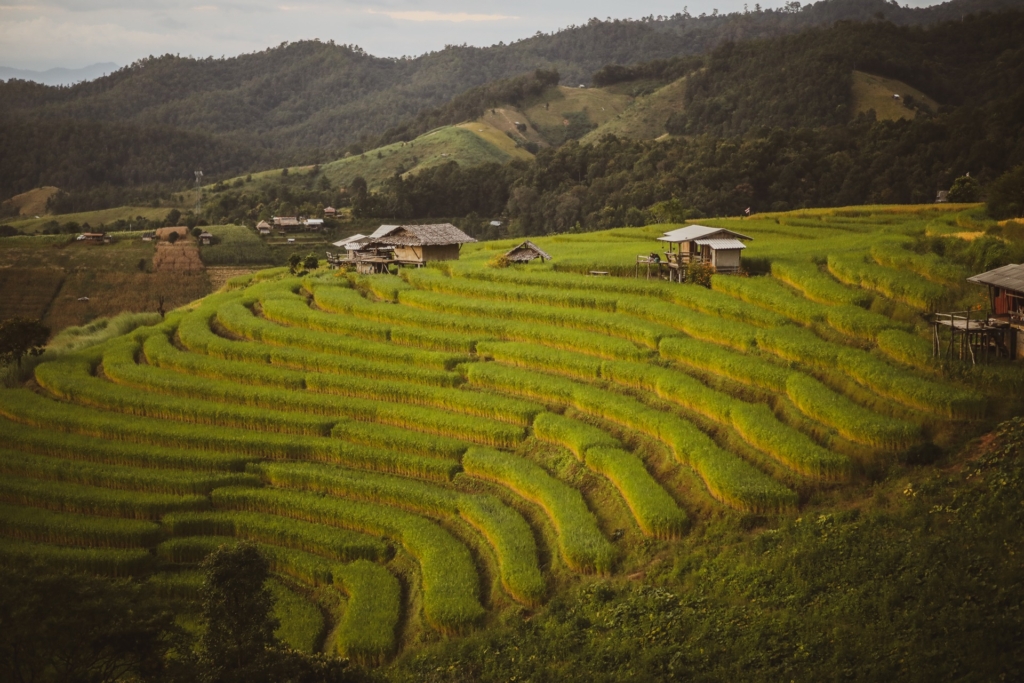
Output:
[[419, 244], [718, 247], [1006, 298]]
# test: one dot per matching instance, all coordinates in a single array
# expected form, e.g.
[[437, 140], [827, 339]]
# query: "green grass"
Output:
[[234, 245]]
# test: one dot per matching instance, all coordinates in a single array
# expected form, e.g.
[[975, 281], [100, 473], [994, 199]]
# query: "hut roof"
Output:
[[383, 230], [718, 244], [205, 235], [263, 224], [696, 232], [350, 242], [423, 235], [1008, 277], [527, 251]]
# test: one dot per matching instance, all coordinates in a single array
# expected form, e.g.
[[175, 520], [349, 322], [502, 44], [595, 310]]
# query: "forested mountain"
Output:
[[308, 101], [768, 124]]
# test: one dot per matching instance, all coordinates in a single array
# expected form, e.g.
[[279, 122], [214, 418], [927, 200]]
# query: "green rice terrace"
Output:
[[422, 457]]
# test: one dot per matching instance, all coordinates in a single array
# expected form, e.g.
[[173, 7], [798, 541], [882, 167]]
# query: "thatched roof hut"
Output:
[[417, 244], [526, 252]]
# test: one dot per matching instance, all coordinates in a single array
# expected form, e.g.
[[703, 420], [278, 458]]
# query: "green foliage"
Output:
[[965, 190], [580, 541], [504, 529], [895, 284], [21, 336], [450, 582], [337, 544], [37, 525], [1006, 195], [654, 510]]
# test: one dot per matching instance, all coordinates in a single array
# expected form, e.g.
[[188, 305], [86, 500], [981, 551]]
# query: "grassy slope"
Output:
[[93, 218], [33, 202], [645, 117], [550, 109], [875, 92]]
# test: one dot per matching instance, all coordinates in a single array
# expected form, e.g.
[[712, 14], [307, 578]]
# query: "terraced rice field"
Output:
[[435, 449]]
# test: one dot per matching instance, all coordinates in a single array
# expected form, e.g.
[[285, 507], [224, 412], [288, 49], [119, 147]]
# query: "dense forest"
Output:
[[310, 101], [768, 125]]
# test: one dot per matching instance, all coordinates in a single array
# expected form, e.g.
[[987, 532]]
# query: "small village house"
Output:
[[526, 252], [287, 223], [330, 212], [95, 238], [717, 247], [420, 244], [314, 224], [205, 238], [263, 228], [148, 236], [1006, 299]]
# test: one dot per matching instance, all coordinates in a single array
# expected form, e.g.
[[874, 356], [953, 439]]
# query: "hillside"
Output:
[[307, 102], [440, 464]]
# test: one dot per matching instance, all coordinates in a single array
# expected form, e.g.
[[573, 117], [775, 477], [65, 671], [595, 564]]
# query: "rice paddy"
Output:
[[441, 448]]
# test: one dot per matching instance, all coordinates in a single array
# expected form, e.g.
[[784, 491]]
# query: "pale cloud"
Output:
[[457, 17]]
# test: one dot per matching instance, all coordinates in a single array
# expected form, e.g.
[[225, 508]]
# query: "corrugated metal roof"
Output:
[[383, 230], [696, 232], [424, 235], [722, 244], [1007, 277], [349, 240]]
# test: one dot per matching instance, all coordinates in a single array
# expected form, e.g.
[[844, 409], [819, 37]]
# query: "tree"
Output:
[[965, 189], [20, 336], [311, 263], [197, 231], [236, 609], [172, 218], [293, 263], [1006, 195], [238, 644], [63, 627], [173, 237]]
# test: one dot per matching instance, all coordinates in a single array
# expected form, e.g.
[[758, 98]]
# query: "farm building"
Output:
[[287, 223], [148, 236], [526, 252], [314, 223], [718, 247], [95, 238], [330, 212], [419, 244], [263, 228], [1006, 298], [205, 238]]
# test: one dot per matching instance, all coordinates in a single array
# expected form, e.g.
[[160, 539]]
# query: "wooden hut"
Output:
[[263, 228], [205, 238], [1006, 299], [526, 252], [419, 244], [330, 212], [287, 223], [717, 247]]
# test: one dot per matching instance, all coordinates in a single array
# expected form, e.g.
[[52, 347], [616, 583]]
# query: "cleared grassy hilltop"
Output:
[[469, 449]]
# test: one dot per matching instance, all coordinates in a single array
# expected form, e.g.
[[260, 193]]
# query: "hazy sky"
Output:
[[41, 34]]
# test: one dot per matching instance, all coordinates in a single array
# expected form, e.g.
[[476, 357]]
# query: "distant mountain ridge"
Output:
[[60, 76], [310, 101]]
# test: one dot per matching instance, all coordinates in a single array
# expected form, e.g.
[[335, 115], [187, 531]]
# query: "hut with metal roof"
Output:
[[419, 244], [996, 333], [526, 252], [717, 247]]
